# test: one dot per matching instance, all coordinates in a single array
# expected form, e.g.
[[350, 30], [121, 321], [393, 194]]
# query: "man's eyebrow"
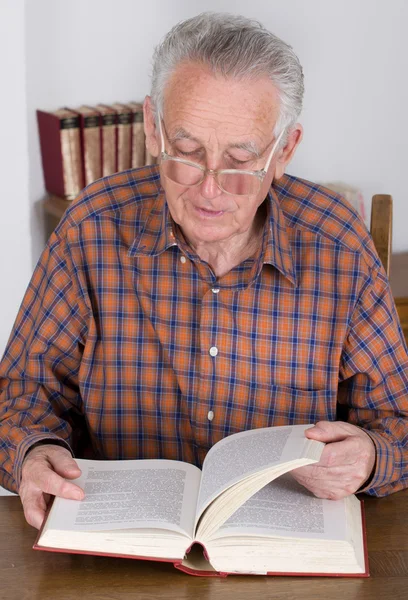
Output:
[[248, 147], [182, 134]]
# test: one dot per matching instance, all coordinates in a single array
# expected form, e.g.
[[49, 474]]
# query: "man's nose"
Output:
[[209, 187]]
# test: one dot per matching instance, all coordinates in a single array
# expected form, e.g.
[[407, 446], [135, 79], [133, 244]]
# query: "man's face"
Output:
[[205, 118]]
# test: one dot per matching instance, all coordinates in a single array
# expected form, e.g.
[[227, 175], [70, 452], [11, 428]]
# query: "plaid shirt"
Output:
[[126, 333]]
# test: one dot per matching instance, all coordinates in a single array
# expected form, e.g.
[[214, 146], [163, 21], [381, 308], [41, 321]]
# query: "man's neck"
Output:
[[223, 256]]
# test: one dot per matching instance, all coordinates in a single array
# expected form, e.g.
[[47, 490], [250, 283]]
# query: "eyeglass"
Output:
[[236, 182]]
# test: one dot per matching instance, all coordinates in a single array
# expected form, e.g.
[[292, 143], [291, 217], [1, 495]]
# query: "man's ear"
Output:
[[152, 137], [286, 154]]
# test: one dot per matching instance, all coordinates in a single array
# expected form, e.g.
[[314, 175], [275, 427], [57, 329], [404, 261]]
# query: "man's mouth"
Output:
[[206, 213]]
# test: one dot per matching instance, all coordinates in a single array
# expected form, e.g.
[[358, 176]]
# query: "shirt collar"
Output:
[[159, 233], [278, 252]]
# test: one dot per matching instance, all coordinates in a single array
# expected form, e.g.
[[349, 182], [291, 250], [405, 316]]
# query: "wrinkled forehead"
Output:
[[201, 104]]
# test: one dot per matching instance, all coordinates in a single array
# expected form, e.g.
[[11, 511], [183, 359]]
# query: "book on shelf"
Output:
[[138, 135], [90, 143], [124, 136], [243, 513], [108, 139], [61, 154]]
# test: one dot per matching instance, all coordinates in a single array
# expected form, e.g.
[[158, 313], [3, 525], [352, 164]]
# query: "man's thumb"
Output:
[[64, 464], [326, 431]]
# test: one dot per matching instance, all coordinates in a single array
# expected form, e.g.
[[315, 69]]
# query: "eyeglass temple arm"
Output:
[[266, 167], [161, 133]]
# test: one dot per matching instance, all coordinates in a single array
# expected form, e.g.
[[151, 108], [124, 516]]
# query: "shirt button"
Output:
[[183, 259], [210, 415], [213, 351], [215, 290]]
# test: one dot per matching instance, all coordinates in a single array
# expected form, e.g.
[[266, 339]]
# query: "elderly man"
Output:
[[177, 304]]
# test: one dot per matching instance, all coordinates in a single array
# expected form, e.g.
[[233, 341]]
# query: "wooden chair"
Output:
[[381, 232], [381, 227]]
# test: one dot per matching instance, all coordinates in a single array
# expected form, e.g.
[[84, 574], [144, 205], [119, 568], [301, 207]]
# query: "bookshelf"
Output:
[[55, 206], [54, 209]]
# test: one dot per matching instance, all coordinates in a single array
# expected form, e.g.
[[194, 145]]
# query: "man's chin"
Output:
[[207, 233]]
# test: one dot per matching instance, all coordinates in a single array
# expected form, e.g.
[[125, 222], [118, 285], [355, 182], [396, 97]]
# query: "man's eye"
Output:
[[240, 162], [192, 153]]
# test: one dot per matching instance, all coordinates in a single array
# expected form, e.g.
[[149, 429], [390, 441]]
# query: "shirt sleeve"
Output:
[[374, 377], [39, 370]]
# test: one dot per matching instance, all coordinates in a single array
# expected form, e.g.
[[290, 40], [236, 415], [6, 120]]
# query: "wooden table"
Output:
[[27, 574]]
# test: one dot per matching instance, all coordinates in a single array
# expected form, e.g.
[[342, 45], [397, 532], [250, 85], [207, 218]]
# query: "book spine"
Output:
[[108, 144], [138, 140], [61, 154], [124, 140], [91, 147], [51, 157], [70, 140]]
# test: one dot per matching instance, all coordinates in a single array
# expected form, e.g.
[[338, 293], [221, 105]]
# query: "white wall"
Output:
[[15, 242], [355, 58], [14, 206], [87, 52]]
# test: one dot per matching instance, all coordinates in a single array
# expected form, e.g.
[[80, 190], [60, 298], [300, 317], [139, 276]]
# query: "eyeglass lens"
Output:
[[239, 184]]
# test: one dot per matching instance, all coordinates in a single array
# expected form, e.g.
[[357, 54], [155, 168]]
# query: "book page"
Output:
[[130, 494], [240, 455], [285, 508]]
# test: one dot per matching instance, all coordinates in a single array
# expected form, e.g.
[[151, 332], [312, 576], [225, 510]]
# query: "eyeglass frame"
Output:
[[259, 174]]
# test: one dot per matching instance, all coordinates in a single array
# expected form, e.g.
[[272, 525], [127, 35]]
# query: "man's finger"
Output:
[[44, 473], [46, 458], [35, 507], [46, 467], [344, 453], [51, 483], [334, 475], [327, 431], [64, 465], [331, 487]]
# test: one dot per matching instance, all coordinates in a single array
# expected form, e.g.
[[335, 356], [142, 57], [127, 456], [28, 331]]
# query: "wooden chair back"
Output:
[[381, 227]]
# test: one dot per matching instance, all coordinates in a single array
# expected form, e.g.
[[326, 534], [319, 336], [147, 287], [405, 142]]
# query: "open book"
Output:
[[243, 513]]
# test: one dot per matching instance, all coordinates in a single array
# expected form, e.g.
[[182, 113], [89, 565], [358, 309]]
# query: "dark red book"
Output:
[[61, 154]]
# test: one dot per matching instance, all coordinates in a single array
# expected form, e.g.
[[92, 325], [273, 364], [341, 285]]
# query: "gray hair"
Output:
[[233, 46]]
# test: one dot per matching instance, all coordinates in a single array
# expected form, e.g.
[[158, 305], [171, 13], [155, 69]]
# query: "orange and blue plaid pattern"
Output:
[[124, 326]]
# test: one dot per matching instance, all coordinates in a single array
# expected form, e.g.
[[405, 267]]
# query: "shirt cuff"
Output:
[[384, 467], [27, 445]]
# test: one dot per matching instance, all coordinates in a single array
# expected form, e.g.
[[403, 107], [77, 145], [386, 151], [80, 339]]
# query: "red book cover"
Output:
[[198, 563], [61, 154]]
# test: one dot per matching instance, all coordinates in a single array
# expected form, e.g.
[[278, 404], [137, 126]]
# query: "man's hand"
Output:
[[345, 464], [43, 473]]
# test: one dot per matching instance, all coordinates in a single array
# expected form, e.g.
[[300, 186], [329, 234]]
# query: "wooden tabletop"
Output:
[[27, 574]]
